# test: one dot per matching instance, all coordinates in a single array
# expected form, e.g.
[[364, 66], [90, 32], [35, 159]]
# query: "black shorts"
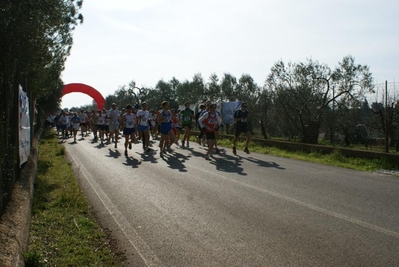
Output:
[[83, 124], [210, 136], [242, 129], [100, 127]]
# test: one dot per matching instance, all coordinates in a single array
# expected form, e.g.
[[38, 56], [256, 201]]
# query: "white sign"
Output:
[[24, 127], [228, 110]]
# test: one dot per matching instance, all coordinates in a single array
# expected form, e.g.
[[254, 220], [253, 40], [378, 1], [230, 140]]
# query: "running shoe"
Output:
[[234, 150], [116, 145], [126, 153], [207, 157], [246, 150]]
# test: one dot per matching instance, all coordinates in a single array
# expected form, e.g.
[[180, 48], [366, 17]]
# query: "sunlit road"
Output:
[[245, 210]]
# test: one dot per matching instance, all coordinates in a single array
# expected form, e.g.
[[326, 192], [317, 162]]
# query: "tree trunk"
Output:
[[263, 129], [347, 140], [311, 133]]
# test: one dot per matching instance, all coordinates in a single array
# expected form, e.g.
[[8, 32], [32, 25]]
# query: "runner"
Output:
[[128, 121], [241, 120], [75, 121], [154, 126], [165, 122], [93, 123], [187, 122], [106, 126], [113, 115], [101, 125], [143, 117], [64, 121], [201, 136], [209, 122], [175, 124], [83, 122]]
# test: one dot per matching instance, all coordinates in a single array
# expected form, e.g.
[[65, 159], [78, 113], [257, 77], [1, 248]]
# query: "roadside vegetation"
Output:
[[64, 231], [334, 159]]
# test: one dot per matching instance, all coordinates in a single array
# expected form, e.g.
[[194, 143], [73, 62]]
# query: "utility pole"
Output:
[[386, 117]]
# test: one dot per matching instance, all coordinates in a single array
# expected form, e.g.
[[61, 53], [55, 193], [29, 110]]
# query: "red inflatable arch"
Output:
[[85, 89]]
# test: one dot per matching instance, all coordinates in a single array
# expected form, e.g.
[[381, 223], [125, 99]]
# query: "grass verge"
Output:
[[334, 159], [63, 231]]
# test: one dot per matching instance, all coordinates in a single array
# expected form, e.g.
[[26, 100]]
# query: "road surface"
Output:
[[244, 210]]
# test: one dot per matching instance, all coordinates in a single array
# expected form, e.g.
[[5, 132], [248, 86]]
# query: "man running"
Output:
[[143, 118], [75, 121], [201, 112], [101, 125], [113, 116], [241, 120], [187, 122], [83, 122], [210, 122], [165, 122], [128, 121]]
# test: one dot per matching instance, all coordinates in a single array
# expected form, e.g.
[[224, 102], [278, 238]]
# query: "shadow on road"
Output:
[[228, 164], [265, 164], [114, 154], [148, 157], [130, 161], [175, 161]]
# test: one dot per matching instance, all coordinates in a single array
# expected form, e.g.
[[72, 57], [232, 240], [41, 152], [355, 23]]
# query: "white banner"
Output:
[[228, 110], [24, 127]]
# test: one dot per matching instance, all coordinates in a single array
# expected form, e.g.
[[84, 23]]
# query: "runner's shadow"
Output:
[[229, 164], [99, 146], [130, 161], [175, 161], [113, 154], [148, 157], [265, 164]]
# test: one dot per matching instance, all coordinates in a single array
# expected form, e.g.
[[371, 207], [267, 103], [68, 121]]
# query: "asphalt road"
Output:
[[245, 210]]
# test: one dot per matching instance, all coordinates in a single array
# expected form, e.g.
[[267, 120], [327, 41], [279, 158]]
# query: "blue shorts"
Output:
[[143, 128], [166, 131], [128, 131]]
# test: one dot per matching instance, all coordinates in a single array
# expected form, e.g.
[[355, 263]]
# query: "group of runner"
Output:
[[138, 123]]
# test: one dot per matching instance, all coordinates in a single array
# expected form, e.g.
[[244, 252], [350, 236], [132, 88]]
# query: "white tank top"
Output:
[[129, 122]]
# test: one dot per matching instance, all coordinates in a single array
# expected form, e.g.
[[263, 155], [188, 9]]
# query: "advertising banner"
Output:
[[228, 110]]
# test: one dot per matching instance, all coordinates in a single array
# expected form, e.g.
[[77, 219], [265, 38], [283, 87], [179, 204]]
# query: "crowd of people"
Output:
[[138, 123]]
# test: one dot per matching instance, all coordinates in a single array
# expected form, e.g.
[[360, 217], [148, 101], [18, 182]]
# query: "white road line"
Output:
[[135, 240], [310, 206]]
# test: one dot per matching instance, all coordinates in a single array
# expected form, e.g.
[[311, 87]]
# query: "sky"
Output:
[[151, 40]]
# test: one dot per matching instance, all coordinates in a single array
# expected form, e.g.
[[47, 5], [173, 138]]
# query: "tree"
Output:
[[197, 87], [214, 88], [38, 36], [306, 91], [227, 86]]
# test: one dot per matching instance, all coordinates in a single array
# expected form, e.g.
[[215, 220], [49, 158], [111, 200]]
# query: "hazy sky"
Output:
[[149, 40]]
